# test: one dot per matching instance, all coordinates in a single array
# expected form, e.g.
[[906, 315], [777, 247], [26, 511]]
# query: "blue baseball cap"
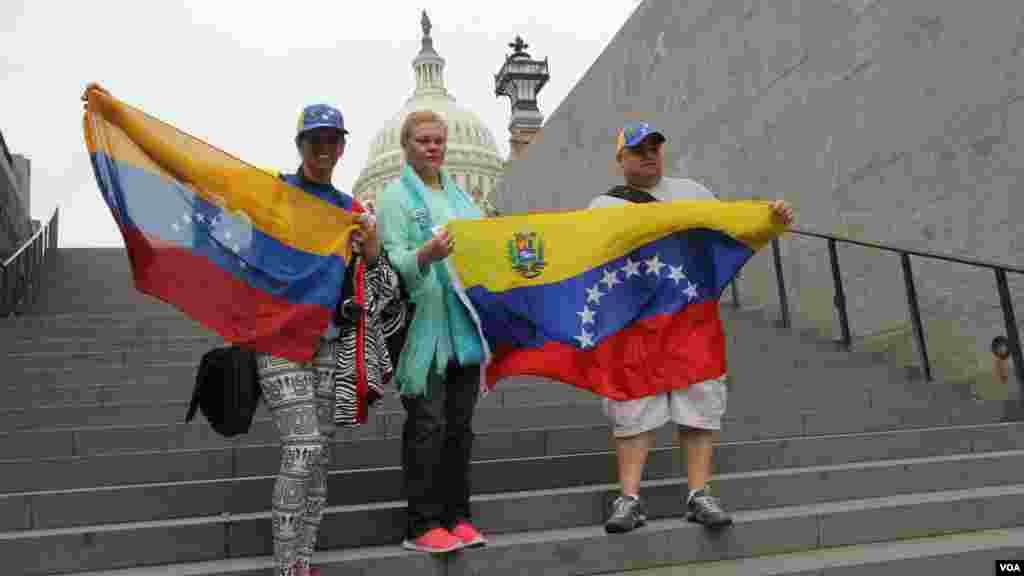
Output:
[[320, 116], [633, 133]]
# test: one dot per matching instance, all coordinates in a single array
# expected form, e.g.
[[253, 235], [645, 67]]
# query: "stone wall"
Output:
[[15, 225], [22, 167], [899, 122]]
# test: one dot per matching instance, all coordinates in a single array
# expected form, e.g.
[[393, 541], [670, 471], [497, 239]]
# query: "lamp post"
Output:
[[521, 78]]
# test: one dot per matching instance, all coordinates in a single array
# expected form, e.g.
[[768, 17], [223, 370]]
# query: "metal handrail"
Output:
[[911, 251], [839, 300], [25, 245], [22, 270]]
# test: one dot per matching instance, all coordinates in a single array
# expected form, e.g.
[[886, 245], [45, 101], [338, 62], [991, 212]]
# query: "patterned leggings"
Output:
[[301, 399]]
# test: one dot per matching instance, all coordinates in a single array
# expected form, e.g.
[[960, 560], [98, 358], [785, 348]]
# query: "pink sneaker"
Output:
[[470, 536], [436, 541]]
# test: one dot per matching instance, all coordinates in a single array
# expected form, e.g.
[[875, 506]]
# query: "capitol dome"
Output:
[[472, 158]]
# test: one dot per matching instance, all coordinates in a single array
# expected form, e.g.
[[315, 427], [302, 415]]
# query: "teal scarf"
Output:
[[465, 338]]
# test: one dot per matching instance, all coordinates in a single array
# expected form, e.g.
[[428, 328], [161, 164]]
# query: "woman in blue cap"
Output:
[[308, 401]]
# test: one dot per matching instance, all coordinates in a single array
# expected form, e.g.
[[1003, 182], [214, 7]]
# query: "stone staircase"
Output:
[[833, 462]]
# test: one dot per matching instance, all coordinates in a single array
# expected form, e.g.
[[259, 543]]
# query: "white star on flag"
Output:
[[631, 268], [654, 265], [587, 315], [610, 279], [691, 291], [594, 294], [676, 273], [200, 217], [585, 339]]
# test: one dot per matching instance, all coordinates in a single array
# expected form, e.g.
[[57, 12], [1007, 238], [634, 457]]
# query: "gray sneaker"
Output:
[[706, 510], [627, 514]]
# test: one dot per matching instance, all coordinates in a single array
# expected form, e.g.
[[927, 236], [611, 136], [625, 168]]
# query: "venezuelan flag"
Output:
[[621, 301], [232, 246]]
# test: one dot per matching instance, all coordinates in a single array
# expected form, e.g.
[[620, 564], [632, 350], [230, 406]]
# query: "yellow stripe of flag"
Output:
[[575, 242], [289, 215]]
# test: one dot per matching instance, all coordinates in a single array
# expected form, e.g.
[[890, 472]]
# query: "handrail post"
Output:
[[840, 295], [781, 283], [1012, 335], [735, 291], [5, 296], [915, 315]]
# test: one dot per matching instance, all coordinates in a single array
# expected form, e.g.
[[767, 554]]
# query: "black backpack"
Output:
[[227, 390]]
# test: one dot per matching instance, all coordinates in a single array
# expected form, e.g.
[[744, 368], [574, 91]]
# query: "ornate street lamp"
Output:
[[521, 78]]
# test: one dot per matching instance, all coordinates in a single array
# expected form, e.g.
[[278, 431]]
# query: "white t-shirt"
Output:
[[667, 190]]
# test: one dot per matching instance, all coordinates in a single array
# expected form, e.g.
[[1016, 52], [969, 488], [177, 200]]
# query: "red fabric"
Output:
[[203, 291], [362, 387], [650, 357], [361, 384]]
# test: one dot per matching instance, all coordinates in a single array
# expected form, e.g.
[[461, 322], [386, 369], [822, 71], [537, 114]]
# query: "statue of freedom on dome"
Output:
[[425, 23]]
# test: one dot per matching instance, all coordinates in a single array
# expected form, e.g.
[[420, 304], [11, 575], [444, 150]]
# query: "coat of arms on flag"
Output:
[[526, 253]]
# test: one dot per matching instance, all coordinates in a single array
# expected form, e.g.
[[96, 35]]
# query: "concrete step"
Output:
[[107, 343], [62, 473], [37, 377], [91, 417], [756, 347], [170, 388], [107, 319], [177, 385], [105, 439], [125, 358], [742, 423], [804, 355], [116, 384], [165, 402], [592, 474], [161, 396], [974, 552], [520, 544], [946, 555], [116, 328]]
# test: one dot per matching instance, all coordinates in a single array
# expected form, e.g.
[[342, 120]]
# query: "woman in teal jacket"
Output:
[[439, 368]]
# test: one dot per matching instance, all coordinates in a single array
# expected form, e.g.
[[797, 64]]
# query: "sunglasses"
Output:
[[324, 138]]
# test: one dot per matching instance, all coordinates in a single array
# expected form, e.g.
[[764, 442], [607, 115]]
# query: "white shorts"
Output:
[[699, 406]]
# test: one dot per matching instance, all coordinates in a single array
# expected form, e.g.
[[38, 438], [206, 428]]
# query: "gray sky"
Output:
[[237, 73]]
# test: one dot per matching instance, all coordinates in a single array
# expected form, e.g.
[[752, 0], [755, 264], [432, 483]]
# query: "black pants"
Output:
[[437, 443]]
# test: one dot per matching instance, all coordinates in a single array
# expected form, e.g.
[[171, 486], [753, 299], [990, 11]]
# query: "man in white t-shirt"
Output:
[[697, 410]]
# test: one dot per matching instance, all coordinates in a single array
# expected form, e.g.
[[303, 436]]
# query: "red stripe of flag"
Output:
[[651, 356], [204, 291]]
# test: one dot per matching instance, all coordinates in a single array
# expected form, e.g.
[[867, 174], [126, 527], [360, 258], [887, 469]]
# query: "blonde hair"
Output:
[[416, 118]]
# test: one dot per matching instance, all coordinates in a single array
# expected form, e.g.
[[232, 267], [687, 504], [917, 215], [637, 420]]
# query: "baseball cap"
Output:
[[320, 116], [633, 133]]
